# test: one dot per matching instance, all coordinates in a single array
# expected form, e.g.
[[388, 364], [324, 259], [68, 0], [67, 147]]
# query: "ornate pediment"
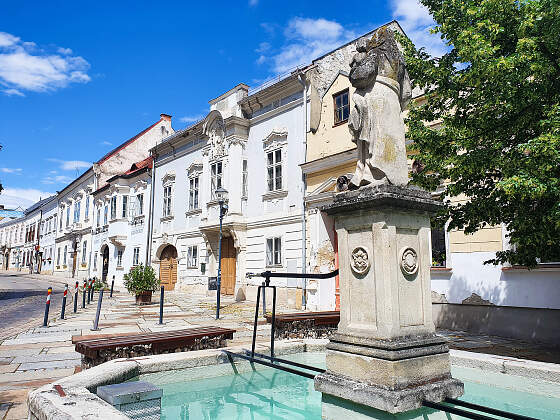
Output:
[[139, 185], [168, 178], [214, 129], [195, 168], [277, 137]]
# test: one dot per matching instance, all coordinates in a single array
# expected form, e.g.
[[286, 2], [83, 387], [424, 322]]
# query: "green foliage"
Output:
[[497, 94], [141, 279]]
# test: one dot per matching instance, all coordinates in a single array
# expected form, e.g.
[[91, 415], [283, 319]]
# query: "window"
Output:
[[77, 211], [67, 215], [61, 213], [87, 208], [193, 193], [95, 260], [341, 107], [98, 217], [124, 206], [84, 252], [244, 179], [136, 256], [192, 256], [274, 170], [167, 201], [105, 214], [64, 256], [438, 248], [140, 204], [113, 207], [216, 178], [273, 251], [119, 258]]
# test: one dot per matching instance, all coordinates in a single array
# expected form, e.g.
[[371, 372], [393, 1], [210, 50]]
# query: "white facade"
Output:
[[12, 240], [121, 225], [47, 235], [256, 143]]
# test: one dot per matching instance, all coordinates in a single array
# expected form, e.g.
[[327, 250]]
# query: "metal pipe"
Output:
[[161, 305], [289, 362], [219, 280], [264, 300], [458, 411], [301, 80], [273, 321], [76, 297], [269, 274], [150, 218], [488, 410], [63, 310], [96, 322], [262, 362], [256, 320], [47, 305]]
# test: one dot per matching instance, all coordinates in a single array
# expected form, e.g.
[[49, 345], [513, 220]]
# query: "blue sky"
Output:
[[76, 80]]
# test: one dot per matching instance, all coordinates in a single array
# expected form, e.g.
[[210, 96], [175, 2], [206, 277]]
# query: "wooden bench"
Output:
[[97, 349], [305, 324]]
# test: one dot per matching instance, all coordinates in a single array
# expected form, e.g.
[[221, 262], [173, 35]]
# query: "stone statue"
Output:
[[383, 90]]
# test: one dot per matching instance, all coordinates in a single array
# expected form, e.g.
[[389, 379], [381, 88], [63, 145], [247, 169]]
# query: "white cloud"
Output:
[[24, 66], [57, 179], [253, 2], [70, 165], [305, 40], [106, 143], [263, 47], [13, 92], [191, 118], [21, 197], [16, 171], [416, 21]]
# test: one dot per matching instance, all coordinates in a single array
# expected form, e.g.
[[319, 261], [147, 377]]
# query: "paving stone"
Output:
[[54, 364], [17, 412], [63, 349], [47, 357], [9, 368], [4, 407], [5, 360], [18, 352], [6, 378], [38, 338], [14, 396]]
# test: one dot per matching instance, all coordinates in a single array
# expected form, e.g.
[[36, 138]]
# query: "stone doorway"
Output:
[[168, 267], [105, 266], [228, 266]]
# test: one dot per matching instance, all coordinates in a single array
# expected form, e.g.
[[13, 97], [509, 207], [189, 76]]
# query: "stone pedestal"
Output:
[[385, 353]]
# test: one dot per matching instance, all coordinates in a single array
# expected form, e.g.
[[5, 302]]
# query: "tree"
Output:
[[497, 93]]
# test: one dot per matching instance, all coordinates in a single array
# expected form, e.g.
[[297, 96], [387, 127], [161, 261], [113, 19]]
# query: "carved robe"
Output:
[[383, 91]]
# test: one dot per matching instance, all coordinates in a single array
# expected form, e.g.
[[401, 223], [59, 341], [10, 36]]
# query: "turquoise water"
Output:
[[268, 393]]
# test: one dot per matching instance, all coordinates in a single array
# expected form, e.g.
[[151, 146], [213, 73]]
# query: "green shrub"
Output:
[[141, 279]]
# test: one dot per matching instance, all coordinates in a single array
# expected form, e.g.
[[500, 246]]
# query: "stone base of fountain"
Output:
[[385, 354]]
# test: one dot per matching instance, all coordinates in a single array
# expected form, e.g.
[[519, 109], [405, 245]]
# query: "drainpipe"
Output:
[[301, 80], [151, 211]]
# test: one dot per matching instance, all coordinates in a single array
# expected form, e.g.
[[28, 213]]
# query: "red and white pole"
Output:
[[64, 301], [48, 304]]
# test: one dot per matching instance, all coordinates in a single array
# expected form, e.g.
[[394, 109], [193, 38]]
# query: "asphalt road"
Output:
[[22, 301]]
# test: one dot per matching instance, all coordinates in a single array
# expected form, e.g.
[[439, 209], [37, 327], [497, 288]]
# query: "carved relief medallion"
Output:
[[359, 260], [409, 261]]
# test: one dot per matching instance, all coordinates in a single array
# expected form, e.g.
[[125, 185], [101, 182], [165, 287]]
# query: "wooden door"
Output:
[[168, 268], [228, 266], [74, 258]]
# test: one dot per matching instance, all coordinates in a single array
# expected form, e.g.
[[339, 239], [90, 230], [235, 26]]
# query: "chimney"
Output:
[[165, 117]]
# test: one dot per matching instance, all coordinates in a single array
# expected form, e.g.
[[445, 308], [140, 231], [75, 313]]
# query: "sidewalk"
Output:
[[34, 356]]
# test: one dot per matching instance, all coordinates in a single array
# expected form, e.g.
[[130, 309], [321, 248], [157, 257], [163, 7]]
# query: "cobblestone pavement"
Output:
[[31, 356]]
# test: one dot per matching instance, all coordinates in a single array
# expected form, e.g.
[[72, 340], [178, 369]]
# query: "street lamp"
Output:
[[221, 194]]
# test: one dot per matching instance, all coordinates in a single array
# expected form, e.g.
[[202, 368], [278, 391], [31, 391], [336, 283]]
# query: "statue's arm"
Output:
[[358, 115]]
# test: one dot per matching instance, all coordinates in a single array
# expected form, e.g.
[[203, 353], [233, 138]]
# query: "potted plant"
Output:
[[141, 281]]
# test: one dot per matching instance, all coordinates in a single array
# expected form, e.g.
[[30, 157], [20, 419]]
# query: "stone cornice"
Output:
[[329, 162]]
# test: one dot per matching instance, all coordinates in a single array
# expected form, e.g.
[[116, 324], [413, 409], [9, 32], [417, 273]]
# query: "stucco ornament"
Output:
[[359, 260], [383, 90], [409, 261]]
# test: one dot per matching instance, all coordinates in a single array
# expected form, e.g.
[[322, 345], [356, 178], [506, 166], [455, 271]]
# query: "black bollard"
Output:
[[92, 289], [96, 322], [161, 306], [76, 297], [46, 318], [264, 300], [84, 295], [89, 291], [112, 285], [63, 310]]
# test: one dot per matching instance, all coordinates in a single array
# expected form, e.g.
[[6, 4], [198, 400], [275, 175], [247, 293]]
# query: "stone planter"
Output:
[[144, 298]]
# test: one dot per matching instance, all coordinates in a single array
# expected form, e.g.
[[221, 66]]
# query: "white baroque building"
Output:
[[251, 144]]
